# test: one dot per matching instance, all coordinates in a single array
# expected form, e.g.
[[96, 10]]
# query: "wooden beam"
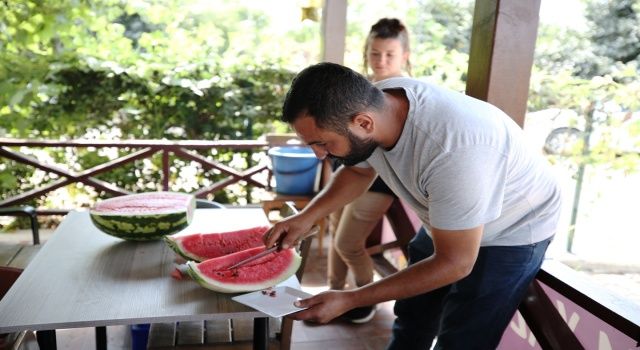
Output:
[[334, 30], [501, 54]]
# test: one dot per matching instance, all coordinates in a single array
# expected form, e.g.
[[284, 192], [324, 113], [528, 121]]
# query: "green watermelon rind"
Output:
[[141, 227], [146, 226], [176, 247], [217, 286]]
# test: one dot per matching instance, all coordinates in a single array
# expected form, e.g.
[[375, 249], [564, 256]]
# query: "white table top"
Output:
[[85, 278]]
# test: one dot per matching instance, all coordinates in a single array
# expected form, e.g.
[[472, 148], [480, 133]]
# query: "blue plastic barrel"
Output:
[[295, 169]]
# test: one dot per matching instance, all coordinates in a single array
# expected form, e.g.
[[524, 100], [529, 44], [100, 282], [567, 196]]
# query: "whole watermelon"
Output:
[[144, 216]]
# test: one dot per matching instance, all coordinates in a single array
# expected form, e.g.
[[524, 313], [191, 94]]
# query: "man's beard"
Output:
[[360, 150]]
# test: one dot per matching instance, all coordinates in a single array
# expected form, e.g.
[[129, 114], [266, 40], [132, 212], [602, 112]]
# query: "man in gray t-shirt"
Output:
[[473, 168], [488, 205]]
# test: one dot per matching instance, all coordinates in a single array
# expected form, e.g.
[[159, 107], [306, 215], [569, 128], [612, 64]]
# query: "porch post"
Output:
[[334, 30], [503, 41]]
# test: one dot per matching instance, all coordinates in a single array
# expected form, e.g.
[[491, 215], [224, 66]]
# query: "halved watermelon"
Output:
[[144, 216], [203, 246], [262, 273]]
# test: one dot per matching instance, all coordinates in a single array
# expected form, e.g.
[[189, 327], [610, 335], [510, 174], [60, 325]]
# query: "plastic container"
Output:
[[139, 336], [295, 169]]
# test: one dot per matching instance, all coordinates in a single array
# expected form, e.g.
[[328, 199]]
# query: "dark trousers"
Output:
[[473, 312]]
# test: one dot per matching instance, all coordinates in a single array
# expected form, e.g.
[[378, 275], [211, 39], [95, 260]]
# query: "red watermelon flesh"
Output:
[[203, 246], [152, 202], [259, 274]]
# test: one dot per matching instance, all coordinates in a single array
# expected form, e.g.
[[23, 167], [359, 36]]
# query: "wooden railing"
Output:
[[139, 149], [564, 309]]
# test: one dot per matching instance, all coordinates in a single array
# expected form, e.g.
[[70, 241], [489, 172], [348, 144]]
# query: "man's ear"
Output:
[[362, 124]]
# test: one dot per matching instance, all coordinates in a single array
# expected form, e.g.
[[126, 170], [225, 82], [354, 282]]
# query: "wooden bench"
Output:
[[13, 259], [17, 255], [230, 333]]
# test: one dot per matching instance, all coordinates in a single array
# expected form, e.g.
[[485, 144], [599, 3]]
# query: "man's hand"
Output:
[[288, 231], [324, 307], [346, 185]]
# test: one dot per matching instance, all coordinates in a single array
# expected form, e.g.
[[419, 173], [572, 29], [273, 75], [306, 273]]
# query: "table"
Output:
[[85, 278]]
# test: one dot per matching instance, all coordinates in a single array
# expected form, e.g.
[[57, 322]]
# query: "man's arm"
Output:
[[454, 257], [346, 185]]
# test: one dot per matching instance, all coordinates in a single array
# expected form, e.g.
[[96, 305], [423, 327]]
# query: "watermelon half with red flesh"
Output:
[[144, 216], [259, 274], [203, 246]]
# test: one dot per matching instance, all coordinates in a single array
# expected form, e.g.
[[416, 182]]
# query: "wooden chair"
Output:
[[234, 334], [24, 340], [18, 255], [27, 211], [16, 259]]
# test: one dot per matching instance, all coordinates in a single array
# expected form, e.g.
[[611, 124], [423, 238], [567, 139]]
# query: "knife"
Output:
[[277, 247]]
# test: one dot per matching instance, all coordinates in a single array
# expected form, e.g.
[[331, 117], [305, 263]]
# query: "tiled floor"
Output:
[[337, 335]]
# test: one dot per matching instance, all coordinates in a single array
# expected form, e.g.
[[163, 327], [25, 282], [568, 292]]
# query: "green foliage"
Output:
[[111, 69], [605, 112], [594, 73], [173, 106], [442, 31], [216, 69], [615, 29], [562, 50], [611, 36]]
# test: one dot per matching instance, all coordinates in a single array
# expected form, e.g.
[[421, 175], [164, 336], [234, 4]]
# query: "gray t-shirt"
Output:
[[461, 162]]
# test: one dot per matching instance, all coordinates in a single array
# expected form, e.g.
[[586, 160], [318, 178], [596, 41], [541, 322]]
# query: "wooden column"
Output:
[[334, 30], [501, 54]]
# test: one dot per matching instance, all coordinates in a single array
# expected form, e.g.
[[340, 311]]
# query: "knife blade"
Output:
[[314, 230], [254, 257]]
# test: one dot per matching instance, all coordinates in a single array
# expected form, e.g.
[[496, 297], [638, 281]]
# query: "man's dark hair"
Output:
[[332, 94]]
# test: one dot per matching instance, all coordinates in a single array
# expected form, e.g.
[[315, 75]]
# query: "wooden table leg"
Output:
[[101, 338], [260, 333], [46, 339]]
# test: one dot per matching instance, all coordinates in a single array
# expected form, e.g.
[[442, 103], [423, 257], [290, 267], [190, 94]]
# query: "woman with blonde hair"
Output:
[[386, 55]]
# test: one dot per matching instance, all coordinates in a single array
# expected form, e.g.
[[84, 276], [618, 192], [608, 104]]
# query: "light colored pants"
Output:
[[350, 229]]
